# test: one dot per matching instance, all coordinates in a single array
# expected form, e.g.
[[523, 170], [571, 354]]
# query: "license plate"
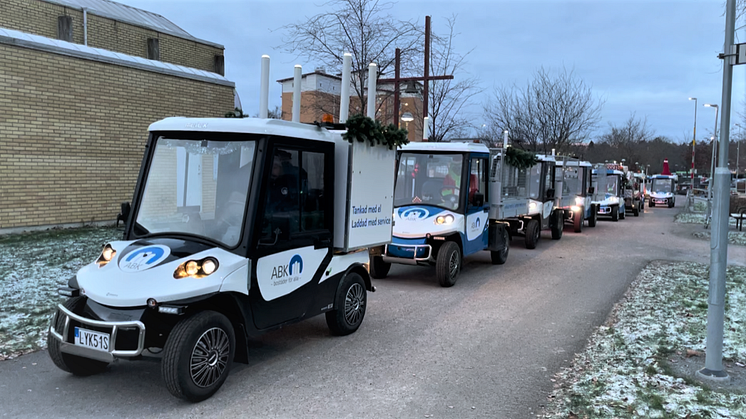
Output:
[[660, 201], [92, 339]]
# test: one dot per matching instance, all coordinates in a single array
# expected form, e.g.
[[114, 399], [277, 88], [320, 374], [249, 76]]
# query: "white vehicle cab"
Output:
[[609, 182], [441, 206], [662, 189], [573, 181], [237, 226]]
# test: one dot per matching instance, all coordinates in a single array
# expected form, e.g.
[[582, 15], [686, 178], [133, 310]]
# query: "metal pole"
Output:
[[397, 70], [694, 138], [264, 90], [297, 80], [372, 75], [426, 81], [713, 369], [344, 100]]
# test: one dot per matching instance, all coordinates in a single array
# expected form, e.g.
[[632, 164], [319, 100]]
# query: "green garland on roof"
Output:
[[365, 129], [519, 158]]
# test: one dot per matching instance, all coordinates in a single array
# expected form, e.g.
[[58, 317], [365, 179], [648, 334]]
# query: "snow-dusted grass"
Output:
[[623, 372], [32, 267], [734, 237]]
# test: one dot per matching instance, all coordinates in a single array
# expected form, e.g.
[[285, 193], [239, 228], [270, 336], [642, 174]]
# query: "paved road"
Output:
[[485, 348]]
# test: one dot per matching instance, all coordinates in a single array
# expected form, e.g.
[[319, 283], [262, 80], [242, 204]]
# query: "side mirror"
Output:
[[550, 193], [591, 190], [478, 200], [124, 214]]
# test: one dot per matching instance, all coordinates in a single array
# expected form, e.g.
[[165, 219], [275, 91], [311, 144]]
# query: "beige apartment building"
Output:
[[80, 82], [320, 94]]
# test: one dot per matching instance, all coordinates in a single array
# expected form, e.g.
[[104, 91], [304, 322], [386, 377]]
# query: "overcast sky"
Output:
[[641, 56]]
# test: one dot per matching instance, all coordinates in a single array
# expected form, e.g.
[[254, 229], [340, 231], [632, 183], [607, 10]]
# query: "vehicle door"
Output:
[[477, 205], [293, 229]]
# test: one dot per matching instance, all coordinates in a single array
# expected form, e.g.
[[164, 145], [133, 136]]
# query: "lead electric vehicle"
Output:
[[441, 206], [236, 227]]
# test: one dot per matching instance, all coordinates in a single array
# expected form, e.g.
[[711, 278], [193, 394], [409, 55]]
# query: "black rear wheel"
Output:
[[594, 216], [352, 299], [558, 224], [500, 257]]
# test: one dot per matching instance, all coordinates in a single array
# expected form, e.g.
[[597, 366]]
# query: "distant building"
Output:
[[80, 81], [320, 94]]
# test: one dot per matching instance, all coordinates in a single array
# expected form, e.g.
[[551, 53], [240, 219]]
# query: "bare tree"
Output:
[[448, 99], [628, 137], [361, 27], [551, 112]]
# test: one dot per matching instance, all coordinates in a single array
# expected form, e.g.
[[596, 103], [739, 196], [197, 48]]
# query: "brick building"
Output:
[[320, 94], [80, 81]]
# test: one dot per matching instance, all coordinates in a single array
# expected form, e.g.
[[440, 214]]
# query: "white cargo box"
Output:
[[363, 195]]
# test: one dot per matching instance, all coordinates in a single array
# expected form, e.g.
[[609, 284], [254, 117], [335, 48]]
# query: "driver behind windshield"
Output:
[[451, 184]]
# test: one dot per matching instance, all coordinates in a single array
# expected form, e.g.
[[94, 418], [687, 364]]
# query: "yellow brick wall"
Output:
[[40, 18], [72, 132]]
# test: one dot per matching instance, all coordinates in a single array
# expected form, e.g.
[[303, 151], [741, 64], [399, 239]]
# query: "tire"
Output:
[[636, 210], [614, 213], [378, 268], [577, 221], [352, 298], [205, 340], [652, 204], [558, 225], [671, 203], [623, 213], [594, 217], [499, 258], [533, 233], [76, 365], [448, 264], [642, 205]]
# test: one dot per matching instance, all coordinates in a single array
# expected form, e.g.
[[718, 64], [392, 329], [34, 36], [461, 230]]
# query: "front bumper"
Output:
[[410, 254], [71, 320]]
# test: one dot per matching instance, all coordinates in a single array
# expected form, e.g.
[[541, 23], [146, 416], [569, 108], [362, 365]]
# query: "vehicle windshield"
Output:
[[433, 179], [662, 185], [612, 184], [197, 187], [573, 181]]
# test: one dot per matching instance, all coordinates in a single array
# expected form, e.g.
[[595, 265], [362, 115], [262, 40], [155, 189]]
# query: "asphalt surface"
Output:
[[485, 348]]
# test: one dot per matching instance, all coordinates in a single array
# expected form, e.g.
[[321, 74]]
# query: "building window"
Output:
[[65, 28], [154, 52]]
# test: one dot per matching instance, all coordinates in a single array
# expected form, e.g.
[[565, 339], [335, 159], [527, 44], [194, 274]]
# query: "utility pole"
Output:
[[713, 369]]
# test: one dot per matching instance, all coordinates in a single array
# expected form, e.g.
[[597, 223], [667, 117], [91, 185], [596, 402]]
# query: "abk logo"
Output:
[[144, 258], [414, 214], [476, 224], [294, 267]]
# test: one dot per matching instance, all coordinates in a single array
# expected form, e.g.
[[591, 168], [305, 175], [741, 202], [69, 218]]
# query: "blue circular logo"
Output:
[[415, 214]]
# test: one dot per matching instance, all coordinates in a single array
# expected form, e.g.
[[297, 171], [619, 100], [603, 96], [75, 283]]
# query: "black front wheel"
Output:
[[198, 356], [76, 365], [558, 224], [594, 216], [578, 221], [352, 299], [614, 213], [378, 268], [533, 233], [448, 264]]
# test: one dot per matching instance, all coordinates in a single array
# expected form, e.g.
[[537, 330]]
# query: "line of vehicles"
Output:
[[241, 226]]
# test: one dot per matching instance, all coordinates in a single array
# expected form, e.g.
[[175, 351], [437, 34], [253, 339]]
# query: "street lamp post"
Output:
[[694, 137], [714, 147]]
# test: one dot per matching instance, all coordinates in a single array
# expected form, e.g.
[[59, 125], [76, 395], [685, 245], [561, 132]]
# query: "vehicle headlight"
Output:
[[444, 219], [196, 268], [579, 201], [532, 206], [107, 254], [575, 208]]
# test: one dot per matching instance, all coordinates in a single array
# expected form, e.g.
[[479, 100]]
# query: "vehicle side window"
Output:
[[478, 180], [295, 200]]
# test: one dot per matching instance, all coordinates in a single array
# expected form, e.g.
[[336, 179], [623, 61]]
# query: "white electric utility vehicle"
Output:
[[662, 188], [609, 182], [441, 211], [573, 179], [236, 227]]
